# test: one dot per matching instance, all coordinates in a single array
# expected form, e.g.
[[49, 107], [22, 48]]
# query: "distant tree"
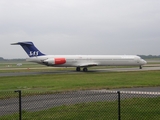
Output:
[[1, 58], [149, 56]]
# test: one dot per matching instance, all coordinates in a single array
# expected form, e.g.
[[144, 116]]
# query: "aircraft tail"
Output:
[[30, 49]]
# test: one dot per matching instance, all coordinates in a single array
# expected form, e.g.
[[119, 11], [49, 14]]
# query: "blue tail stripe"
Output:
[[30, 49]]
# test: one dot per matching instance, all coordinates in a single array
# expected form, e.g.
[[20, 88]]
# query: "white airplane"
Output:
[[79, 61]]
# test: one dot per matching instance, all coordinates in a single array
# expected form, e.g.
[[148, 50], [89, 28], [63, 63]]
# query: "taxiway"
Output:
[[73, 71]]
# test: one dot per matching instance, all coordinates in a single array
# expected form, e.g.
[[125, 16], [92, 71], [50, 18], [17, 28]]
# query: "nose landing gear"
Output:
[[140, 67]]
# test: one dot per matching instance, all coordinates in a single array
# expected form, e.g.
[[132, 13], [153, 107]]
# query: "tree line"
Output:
[[2, 59]]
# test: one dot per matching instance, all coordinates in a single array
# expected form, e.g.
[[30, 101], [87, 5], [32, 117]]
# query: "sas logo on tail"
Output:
[[33, 53]]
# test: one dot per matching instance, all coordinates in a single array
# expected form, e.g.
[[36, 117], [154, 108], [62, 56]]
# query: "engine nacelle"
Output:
[[55, 61]]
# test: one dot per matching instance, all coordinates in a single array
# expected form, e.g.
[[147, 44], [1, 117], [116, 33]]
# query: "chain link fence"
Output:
[[79, 105]]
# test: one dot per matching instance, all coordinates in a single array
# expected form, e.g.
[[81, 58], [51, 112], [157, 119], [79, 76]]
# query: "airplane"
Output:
[[79, 61]]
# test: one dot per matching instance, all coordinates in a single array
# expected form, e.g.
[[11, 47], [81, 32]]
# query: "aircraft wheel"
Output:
[[78, 69], [85, 69], [140, 67]]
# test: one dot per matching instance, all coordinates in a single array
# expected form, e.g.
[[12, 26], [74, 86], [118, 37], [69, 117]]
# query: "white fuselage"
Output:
[[79, 61], [88, 60]]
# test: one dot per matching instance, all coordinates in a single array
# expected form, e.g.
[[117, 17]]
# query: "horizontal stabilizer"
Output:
[[19, 43]]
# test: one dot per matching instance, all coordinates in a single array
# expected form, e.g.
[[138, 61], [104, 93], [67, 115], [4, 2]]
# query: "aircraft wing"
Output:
[[88, 65]]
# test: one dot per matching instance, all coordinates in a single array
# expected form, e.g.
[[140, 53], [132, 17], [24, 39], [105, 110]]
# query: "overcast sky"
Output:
[[80, 26]]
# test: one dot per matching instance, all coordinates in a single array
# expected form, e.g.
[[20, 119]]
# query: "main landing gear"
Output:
[[78, 69], [84, 69]]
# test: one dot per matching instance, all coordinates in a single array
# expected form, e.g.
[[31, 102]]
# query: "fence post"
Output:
[[20, 104], [119, 105]]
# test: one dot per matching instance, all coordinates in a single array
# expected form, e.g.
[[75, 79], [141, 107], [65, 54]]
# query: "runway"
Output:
[[73, 71], [42, 102]]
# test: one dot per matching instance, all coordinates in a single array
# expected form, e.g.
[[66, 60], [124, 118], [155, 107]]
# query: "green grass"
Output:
[[131, 109], [76, 81], [80, 81]]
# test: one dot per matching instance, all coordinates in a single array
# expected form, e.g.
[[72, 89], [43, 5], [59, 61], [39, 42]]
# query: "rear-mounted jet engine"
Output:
[[55, 61]]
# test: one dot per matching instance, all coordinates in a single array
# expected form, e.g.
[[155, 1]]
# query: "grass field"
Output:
[[74, 81], [80, 81]]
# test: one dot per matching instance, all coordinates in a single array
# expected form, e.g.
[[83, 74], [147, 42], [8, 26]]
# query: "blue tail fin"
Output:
[[30, 49]]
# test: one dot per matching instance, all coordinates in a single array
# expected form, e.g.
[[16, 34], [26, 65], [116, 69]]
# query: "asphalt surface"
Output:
[[73, 71], [42, 102]]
